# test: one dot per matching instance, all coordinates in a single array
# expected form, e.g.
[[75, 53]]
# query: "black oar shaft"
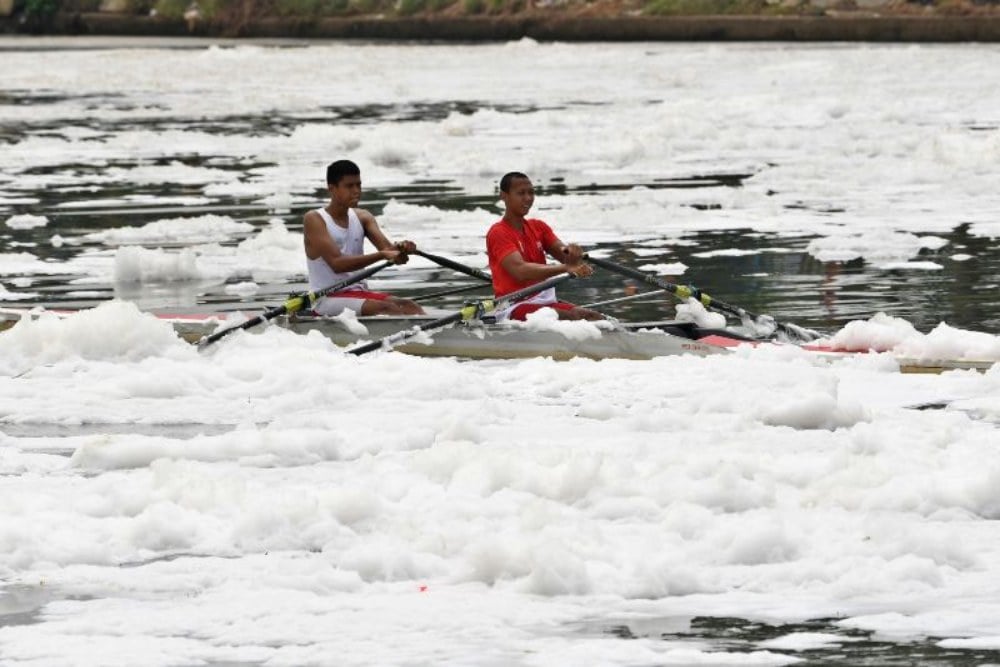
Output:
[[456, 266], [682, 292], [295, 303], [453, 290], [631, 297], [400, 336]]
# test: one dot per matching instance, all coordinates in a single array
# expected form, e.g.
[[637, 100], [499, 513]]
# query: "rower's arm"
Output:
[[319, 243], [571, 256], [525, 271], [379, 239], [569, 253]]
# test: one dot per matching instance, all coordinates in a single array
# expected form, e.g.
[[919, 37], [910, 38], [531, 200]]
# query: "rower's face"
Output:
[[521, 196], [347, 191]]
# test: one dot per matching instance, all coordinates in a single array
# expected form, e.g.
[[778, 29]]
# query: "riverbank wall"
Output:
[[830, 27]]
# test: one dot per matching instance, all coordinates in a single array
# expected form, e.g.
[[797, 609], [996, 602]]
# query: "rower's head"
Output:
[[517, 193], [343, 181]]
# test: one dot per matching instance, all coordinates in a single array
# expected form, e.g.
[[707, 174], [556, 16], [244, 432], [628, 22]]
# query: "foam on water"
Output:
[[389, 509], [884, 333]]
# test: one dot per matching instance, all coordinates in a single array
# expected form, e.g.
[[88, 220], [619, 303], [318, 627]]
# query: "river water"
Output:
[[731, 161], [175, 510]]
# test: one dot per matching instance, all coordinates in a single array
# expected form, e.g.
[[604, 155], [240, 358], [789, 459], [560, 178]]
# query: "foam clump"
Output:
[[114, 331]]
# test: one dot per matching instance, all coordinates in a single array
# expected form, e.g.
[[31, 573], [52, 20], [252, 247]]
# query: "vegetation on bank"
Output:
[[232, 14]]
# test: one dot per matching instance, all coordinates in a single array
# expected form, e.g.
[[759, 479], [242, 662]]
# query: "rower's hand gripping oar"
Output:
[[455, 266], [472, 310], [295, 303], [684, 292]]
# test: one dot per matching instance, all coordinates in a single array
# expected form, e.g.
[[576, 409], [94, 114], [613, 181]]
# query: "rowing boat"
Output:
[[486, 340], [478, 339]]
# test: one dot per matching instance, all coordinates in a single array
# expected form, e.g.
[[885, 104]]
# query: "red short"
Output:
[[521, 311], [360, 294], [336, 303]]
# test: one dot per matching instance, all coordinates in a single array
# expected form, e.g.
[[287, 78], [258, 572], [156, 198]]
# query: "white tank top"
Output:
[[351, 241]]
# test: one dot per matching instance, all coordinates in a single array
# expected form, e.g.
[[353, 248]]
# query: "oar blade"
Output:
[[765, 324]]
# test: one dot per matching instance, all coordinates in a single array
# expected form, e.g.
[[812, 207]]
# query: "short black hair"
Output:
[[337, 170], [508, 177]]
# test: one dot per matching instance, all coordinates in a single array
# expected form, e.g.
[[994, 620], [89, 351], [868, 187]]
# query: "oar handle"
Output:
[[295, 303], [456, 266]]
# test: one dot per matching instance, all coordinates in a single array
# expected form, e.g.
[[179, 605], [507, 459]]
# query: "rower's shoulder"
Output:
[[497, 227], [317, 219], [313, 214], [364, 215], [312, 218]]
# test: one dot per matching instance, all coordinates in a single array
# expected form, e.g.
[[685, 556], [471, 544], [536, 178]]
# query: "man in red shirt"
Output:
[[516, 247]]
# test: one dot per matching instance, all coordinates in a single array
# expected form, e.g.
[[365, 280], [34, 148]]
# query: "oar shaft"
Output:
[[631, 297], [355, 278], [295, 303], [470, 311], [400, 336], [532, 290], [456, 266], [454, 290], [252, 322], [683, 292]]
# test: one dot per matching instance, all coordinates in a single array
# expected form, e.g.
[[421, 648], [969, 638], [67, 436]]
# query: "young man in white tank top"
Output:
[[334, 244]]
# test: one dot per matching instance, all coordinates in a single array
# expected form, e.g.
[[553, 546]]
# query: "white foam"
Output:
[[201, 229], [26, 221], [885, 333], [670, 269], [236, 504]]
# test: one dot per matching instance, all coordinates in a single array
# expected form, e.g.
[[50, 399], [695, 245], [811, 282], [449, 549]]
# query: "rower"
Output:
[[334, 244], [516, 246]]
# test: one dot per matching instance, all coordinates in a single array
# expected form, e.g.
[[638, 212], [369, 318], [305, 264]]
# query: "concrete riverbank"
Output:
[[495, 20], [851, 27]]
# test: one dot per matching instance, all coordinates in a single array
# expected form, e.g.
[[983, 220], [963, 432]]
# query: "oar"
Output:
[[456, 266], [631, 297], [453, 290], [294, 304], [472, 310], [684, 292]]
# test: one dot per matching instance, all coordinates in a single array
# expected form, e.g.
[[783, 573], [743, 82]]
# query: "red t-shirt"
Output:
[[531, 242]]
